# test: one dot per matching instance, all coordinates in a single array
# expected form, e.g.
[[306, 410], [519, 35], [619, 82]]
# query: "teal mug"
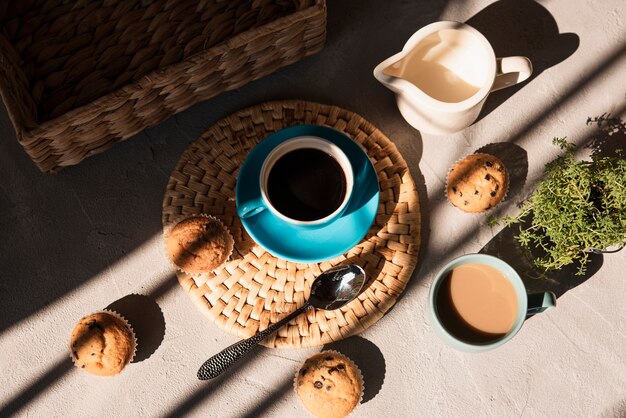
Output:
[[478, 302], [254, 206]]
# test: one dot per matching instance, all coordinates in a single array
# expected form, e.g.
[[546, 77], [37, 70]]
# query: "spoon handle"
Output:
[[217, 364]]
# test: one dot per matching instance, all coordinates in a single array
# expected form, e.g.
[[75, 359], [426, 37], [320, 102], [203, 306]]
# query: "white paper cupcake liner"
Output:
[[230, 243], [486, 211], [135, 342], [347, 360]]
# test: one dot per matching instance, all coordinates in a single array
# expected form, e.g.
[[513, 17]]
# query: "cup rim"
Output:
[[284, 148], [412, 90], [509, 273]]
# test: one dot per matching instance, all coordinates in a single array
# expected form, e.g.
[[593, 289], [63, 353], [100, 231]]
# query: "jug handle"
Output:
[[511, 71]]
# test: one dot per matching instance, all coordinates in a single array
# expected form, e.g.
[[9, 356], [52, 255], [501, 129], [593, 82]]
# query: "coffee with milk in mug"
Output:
[[476, 303]]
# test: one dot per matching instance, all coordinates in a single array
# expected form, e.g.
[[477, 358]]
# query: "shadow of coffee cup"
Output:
[[478, 302], [306, 181]]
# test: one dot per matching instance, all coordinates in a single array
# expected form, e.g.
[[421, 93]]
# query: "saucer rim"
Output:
[[370, 175]]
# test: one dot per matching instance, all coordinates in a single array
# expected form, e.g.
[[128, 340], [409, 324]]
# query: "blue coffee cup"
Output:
[[256, 205]]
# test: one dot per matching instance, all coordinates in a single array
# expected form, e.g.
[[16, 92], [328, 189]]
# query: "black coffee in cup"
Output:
[[306, 184]]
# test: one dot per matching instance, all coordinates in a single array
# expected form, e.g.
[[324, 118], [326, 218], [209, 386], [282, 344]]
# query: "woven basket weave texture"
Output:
[[78, 76], [255, 289]]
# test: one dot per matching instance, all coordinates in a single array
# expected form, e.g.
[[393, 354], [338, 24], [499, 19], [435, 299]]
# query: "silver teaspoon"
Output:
[[331, 290]]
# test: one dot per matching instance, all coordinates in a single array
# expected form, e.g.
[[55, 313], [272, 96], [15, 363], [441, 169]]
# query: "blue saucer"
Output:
[[307, 245]]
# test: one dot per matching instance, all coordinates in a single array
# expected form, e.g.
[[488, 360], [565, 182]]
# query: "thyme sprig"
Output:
[[579, 206]]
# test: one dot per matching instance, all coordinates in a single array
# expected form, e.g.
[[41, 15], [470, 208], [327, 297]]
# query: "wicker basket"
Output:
[[77, 76]]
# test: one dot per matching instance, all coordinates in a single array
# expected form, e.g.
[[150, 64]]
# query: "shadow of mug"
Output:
[[526, 28], [505, 246]]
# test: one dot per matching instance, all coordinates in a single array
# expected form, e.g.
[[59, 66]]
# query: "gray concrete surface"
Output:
[[90, 237]]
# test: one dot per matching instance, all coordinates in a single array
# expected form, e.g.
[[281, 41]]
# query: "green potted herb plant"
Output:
[[579, 207]]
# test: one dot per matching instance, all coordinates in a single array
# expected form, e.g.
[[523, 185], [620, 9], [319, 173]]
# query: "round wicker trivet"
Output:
[[254, 288]]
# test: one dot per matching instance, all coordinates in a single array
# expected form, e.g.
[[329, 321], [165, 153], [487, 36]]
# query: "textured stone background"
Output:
[[90, 237]]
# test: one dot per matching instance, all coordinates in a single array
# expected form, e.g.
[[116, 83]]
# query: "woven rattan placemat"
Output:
[[254, 288]]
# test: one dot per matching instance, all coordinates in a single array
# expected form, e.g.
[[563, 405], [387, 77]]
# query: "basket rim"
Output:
[[103, 103]]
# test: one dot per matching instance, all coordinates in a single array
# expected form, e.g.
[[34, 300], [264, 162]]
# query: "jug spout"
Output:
[[390, 71], [395, 69]]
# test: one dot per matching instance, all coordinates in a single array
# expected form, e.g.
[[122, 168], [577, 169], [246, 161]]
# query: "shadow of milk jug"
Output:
[[444, 74]]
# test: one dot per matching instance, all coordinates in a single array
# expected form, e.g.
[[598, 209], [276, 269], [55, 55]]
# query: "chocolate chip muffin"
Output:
[[329, 385], [102, 344], [199, 244], [477, 183]]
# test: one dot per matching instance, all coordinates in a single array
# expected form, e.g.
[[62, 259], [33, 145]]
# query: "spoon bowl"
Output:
[[336, 287], [331, 290]]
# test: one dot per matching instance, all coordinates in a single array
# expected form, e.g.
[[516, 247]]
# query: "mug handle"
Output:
[[539, 302], [251, 207], [510, 71]]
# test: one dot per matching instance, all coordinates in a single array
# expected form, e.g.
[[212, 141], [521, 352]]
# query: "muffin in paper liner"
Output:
[[329, 385], [477, 183], [103, 343], [216, 247]]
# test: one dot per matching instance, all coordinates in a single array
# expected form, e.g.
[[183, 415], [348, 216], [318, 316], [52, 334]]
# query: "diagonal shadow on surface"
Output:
[[109, 206], [611, 135], [515, 158], [526, 28], [425, 267], [67, 229], [100, 234], [62, 367], [130, 162], [592, 75], [54, 373], [602, 141], [264, 407], [207, 389], [366, 355], [505, 246], [617, 410]]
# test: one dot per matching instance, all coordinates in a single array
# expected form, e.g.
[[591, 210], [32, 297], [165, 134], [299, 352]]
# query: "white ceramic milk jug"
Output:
[[443, 75]]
